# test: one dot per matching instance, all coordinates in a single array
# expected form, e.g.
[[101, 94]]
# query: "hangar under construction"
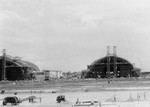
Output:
[[111, 66], [13, 68]]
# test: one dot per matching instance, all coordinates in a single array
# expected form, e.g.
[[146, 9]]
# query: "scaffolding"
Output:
[[115, 61], [110, 66], [4, 65]]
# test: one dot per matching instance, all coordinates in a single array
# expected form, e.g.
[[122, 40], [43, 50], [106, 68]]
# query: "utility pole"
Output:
[[4, 65]]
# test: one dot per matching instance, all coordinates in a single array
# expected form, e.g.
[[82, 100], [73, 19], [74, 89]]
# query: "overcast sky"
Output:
[[68, 35]]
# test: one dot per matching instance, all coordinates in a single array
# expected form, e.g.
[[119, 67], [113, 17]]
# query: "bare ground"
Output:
[[79, 85]]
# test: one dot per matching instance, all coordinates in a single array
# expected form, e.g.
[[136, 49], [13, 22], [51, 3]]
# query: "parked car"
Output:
[[60, 98], [3, 91], [11, 100]]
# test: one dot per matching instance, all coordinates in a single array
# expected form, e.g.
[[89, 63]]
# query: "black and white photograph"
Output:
[[75, 53]]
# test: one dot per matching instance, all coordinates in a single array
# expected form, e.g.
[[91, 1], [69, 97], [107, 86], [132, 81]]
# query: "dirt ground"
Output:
[[100, 89], [80, 85]]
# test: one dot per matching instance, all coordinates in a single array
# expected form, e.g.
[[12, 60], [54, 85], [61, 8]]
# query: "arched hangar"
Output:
[[111, 66], [16, 69]]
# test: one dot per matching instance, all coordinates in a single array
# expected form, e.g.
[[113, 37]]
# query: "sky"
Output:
[[68, 35]]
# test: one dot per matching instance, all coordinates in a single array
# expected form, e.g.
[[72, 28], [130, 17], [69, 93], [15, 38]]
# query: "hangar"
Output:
[[111, 66], [13, 68]]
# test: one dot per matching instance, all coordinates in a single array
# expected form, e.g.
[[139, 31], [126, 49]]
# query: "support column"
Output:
[[115, 61], [4, 65], [108, 67], [108, 62]]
